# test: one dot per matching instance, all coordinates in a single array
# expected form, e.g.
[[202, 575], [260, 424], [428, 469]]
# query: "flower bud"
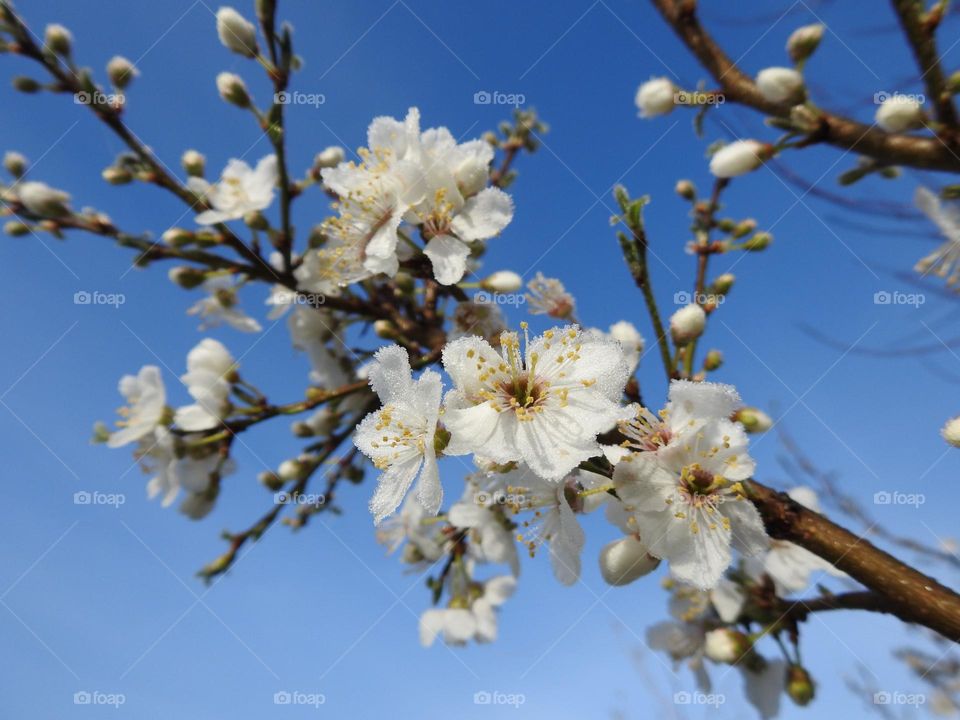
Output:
[[803, 41], [724, 645], [15, 164], [753, 420], [744, 227], [177, 237], [41, 199], [58, 39], [625, 333], [713, 360], [385, 329], [781, 85], [121, 71], [655, 97], [723, 283], [15, 228], [799, 685], [25, 84], [186, 277], [117, 175], [625, 560], [330, 157], [233, 90], [193, 162], [270, 480], [760, 241], [951, 432], [290, 470], [687, 324], [899, 113], [685, 189], [739, 158], [256, 220], [237, 33], [502, 281]]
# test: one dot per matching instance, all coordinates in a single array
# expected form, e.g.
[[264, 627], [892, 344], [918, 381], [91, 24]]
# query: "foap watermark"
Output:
[[682, 297], [96, 297], [298, 697], [699, 698], [496, 697], [96, 697], [290, 498], [99, 98], [886, 297], [292, 297], [885, 497], [696, 97], [499, 497], [495, 97], [84, 497], [885, 697], [494, 298], [296, 97], [879, 98]]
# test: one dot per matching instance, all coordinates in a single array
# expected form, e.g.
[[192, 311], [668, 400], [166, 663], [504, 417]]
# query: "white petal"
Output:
[[449, 258], [484, 215]]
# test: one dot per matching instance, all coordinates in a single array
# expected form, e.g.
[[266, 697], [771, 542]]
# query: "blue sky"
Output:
[[104, 599]]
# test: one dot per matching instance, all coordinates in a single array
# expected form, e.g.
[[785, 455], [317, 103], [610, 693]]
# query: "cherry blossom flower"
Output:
[[146, 405], [945, 260], [468, 619], [240, 190], [209, 366], [548, 296], [544, 406], [399, 437], [655, 97], [221, 307]]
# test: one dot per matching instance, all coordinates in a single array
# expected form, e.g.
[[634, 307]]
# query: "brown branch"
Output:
[[929, 153], [907, 593], [799, 610], [919, 28]]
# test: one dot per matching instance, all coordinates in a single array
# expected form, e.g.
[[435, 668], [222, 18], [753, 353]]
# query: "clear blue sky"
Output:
[[105, 599]]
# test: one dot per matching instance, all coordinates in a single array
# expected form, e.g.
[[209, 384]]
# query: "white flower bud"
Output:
[[58, 39], [685, 189], [898, 113], [724, 645], [290, 470], [753, 420], [739, 158], [502, 281], [232, 89], [627, 335], [236, 32], [655, 97], [196, 506], [687, 323], [803, 41], [41, 199], [623, 561], [15, 163], [780, 85], [330, 157], [193, 162], [121, 71], [951, 431]]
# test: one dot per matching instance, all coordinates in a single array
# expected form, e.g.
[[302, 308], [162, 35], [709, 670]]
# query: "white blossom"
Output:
[[548, 296], [544, 406], [951, 431], [475, 318], [399, 437], [314, 331], [631, 342], [236, 32], [502, 281], [146, 405], [945, 260], [209, 366], [625, 560], [655, 97], [221, 306], [41, 199], [687, 323], [468, 620], [898, 113], [241, 190]]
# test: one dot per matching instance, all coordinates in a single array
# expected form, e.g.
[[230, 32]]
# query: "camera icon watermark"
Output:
[[882, 96], [297, 697], [495, 97], [95, 697], [885, 497], [886, 297], [699, 698], [698, 98], [84, 497], [486, 697], [294, 498], [494, 298], [95, 297], [295, 97]]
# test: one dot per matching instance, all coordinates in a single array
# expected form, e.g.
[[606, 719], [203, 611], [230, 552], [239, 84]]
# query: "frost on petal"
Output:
[[484, 215], [390, 375], [566, 546], [392, 486], [703, 400], [449, 258], [749, 535], [727, 599]]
